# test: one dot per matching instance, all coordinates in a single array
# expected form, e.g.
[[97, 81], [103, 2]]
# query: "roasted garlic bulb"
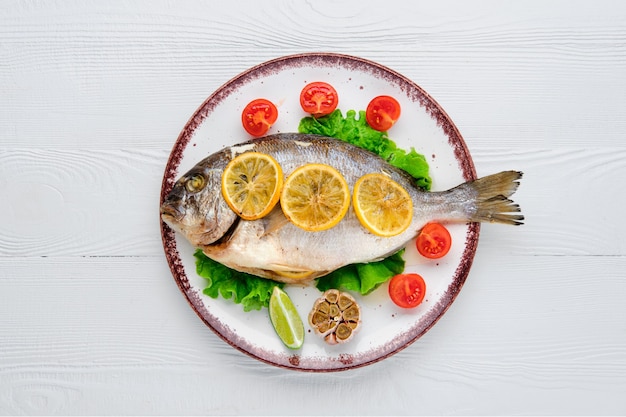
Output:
[[335, 316]]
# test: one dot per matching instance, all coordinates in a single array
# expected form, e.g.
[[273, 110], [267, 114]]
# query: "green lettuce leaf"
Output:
[[359, 133], [252, 292], [363, 278]]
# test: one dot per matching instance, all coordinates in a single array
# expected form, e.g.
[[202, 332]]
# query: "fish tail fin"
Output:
[[492, 198]]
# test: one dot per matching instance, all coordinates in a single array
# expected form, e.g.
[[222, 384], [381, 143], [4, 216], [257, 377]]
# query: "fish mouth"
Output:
[[171, 213]]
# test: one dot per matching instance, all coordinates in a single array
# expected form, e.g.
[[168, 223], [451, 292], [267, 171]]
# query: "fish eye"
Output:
[[195, 183]]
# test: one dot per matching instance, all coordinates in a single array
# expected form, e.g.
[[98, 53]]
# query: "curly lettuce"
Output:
[[359, 133], [252, 292], [363, 278]]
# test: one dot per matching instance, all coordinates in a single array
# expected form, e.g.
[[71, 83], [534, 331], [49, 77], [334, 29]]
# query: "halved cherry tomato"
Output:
[[382, 112], [319, 98], [258, 116], [407, 290], [434, 241]]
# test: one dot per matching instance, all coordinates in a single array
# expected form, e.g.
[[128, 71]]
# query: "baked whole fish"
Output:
[[274, 248]]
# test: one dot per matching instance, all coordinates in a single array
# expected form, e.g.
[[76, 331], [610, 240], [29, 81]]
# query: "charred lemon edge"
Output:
[[369, 222], [275, 194], [312, 226]]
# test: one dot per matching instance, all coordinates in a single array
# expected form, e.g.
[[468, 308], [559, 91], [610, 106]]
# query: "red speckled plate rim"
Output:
[[415, 93]]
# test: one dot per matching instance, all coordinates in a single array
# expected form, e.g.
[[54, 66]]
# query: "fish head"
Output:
[[195, 206]]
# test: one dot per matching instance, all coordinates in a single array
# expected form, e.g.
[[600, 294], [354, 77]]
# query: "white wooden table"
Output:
[[92, 97]]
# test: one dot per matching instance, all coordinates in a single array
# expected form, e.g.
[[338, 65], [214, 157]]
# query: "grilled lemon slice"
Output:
[[315, 197], [382, 205], [251, 184]]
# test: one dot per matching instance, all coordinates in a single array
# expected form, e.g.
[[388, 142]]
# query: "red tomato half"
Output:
[[433, 241], [258, 116], [319, 98], [382, 112], [407, 290]]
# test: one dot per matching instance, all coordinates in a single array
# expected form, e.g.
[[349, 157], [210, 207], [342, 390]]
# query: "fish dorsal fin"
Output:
[[274, 221]]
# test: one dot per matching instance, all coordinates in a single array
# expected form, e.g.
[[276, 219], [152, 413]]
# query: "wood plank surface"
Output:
[[92, 98], [72, 346]]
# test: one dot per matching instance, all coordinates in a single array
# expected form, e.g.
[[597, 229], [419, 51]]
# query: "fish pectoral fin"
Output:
[[274, 221]]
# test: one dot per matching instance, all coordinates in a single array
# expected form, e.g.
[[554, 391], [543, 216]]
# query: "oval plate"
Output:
[[385, 329]]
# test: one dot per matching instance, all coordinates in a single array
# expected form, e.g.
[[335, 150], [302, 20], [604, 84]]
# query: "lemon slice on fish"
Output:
[[315, 197], [295, 275], [382, 205], [285, 319], [251, 184]]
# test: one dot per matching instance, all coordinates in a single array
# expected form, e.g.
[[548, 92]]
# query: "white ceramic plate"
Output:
[[385, 328]]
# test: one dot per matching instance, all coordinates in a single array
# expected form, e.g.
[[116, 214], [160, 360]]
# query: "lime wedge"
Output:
[[285, 319]]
